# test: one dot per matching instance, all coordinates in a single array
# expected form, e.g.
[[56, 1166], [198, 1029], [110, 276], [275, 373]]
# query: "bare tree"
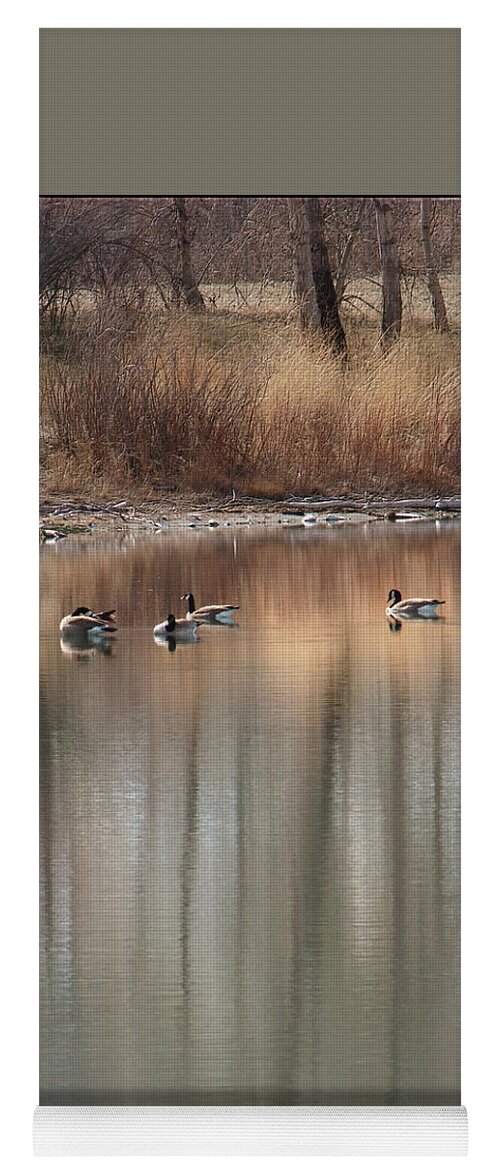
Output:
[[69, 230], [305, 290], [241, 208], [188, 287], [326, 296], [391, 271], [345, 256], [437, 299], [123, 247]]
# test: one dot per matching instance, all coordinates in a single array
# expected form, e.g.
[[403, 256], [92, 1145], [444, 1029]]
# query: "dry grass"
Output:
[[133, 397], [362, 298]]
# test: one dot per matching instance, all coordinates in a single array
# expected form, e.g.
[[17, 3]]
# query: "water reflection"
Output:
[[79, 644], [249, 850], [172, 641], [395, 623]]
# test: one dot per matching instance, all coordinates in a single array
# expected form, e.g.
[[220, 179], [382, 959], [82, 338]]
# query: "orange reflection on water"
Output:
[[249, 845]]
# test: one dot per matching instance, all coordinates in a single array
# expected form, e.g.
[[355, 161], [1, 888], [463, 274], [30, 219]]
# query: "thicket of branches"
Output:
[[173, 358], [177, 245]]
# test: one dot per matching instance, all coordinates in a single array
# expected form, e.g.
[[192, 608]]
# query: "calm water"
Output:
[[250, 844]]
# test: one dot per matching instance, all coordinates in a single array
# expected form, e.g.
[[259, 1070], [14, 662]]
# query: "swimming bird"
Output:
[[208, 613], [84, 621], [50, 536], [177, 628], [411, 607]]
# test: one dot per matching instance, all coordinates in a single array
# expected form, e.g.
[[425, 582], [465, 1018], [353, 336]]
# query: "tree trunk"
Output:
[[438, 305], [305, 290], [326, 296], [391, 272], [187, 284]]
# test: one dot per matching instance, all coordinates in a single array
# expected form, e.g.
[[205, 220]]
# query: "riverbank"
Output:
[[61, 517]]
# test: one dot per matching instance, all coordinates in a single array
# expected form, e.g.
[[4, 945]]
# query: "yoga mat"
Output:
[[249, 882]]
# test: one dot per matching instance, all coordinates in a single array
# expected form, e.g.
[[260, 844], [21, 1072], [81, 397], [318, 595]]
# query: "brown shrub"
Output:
[[211, 402]]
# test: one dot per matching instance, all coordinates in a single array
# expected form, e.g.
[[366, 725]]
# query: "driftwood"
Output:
[[297, 506], [447, 504], [292, 506], [72, 507]]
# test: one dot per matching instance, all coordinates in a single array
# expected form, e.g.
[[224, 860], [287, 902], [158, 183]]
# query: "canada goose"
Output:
[[83, 620], [176, 628], [411, 607], [50, 536], [208, 613]]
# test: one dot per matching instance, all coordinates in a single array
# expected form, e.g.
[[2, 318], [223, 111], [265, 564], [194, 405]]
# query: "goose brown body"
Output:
[[214, 613], [176, 628], [399, 607], [85, 621]]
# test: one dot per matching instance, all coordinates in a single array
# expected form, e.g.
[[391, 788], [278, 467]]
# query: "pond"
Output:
[[250, 842]]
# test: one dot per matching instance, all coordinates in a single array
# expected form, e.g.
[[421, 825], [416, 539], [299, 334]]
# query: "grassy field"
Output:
[[136, 399]]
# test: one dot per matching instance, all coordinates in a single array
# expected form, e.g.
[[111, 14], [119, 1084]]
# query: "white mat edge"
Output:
[[250, 1130]]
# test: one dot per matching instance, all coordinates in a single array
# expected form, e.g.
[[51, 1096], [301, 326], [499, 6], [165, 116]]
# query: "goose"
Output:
[[83, 620], [50, 536], [176, 628], [208, 613], [411, 607]]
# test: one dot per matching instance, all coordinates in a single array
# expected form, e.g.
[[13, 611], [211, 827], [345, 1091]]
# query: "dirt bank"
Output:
[[60, 517]]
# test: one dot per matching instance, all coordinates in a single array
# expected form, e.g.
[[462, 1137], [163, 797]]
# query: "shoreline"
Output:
[[60, 517]]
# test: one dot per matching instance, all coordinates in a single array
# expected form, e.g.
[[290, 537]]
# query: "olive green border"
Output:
[[249, 111]]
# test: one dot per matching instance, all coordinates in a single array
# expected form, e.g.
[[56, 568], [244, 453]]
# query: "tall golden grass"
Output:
[[134, 398]]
